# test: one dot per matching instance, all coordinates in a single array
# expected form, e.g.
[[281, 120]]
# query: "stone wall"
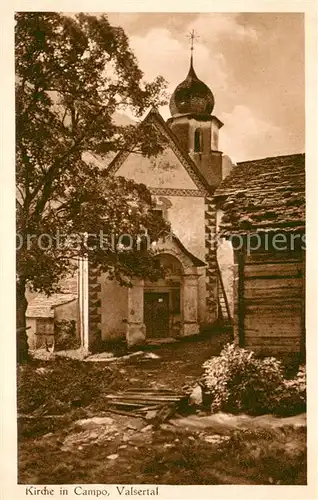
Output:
[[114, 300], [67, 312]]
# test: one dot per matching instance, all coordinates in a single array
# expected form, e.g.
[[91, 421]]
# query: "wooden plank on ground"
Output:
[[127, 403], [156, 391], [145, 397]]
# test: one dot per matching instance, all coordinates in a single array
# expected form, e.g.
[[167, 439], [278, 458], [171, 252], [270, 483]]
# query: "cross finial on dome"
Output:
[[192, 36], [192, 95]]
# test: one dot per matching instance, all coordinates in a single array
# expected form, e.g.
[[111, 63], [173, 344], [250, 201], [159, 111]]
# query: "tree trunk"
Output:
[[22, 338]]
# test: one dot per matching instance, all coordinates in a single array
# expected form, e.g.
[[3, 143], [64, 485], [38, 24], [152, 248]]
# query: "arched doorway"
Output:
[[168, 307], [162, 300]]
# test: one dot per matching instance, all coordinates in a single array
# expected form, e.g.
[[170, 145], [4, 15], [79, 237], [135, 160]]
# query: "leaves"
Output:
[[72, 74], [239, 381]]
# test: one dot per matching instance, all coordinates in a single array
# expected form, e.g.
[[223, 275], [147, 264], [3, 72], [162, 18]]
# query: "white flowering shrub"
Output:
[[240, 382], [290, 397]]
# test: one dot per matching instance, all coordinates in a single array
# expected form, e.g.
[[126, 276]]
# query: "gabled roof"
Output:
[[154, 117], [264, 195], [43, 307], [170, 244], [195, 260]]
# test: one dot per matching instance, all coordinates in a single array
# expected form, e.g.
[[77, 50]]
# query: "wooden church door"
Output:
[[156, 314]]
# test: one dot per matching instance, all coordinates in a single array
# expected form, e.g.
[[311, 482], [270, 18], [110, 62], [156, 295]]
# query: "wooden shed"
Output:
[[264, 217]]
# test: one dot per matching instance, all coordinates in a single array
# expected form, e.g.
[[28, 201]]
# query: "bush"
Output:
[[241, 382], [59, 385], [290, 397]]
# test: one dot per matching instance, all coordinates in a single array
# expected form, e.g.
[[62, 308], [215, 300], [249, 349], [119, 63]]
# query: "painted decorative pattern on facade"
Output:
[[211, 259], [94, 305], [176, 192]]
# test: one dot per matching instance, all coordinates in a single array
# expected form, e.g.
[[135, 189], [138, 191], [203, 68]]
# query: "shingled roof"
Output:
[[43, 307], [264, 195]]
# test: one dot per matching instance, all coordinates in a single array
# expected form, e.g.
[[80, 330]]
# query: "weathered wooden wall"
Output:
[[270, 301]]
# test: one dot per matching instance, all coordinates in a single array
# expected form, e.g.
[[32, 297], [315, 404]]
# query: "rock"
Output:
[[132, 355], [42, 370], [92, 423], [140, 439], [196, 396], [93, 435], [49, 434], [88, 437], [223, 423], [132, 426], [79, 354], [43, 354], [147, 428], [216, 439], [151, 355], [167, 427], [113, 457], [154, 342], [137, 425], [102, 356], [151, 414], [90, 430]]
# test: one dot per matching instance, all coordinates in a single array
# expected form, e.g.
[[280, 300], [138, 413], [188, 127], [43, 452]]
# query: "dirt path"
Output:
[[87, 444], [176, 365]]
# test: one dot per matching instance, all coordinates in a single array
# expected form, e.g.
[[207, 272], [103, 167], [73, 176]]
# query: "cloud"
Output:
[[166, 52], [161, 53], [239, 56], [246, 136], [216, 26]]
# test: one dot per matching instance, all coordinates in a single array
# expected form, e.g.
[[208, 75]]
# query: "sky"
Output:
[[252, 62]]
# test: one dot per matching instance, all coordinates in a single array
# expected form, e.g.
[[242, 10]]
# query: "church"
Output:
[[208, 282], [182, 180]]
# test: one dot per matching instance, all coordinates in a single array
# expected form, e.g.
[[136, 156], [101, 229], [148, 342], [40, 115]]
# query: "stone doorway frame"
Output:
[[189, 294]]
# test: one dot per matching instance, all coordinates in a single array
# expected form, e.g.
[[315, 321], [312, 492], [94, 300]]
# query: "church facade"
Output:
[[182, 180], [209, 205]]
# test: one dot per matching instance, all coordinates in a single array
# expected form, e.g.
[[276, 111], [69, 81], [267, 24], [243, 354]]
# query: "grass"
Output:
[[272, 457], [58, 386], [72, 390]]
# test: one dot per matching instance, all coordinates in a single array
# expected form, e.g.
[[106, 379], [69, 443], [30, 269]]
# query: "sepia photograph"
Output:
[[160, 250]]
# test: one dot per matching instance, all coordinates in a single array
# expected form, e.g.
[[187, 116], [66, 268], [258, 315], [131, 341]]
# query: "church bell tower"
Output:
[[191, 106]]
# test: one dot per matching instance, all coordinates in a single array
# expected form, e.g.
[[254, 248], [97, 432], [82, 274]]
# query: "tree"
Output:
[[72, 74]]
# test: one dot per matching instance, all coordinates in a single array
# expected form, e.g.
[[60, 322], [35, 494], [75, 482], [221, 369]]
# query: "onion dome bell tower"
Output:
[[196, 129]]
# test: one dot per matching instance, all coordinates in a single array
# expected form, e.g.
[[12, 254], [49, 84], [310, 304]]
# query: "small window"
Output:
[[198, 140]]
